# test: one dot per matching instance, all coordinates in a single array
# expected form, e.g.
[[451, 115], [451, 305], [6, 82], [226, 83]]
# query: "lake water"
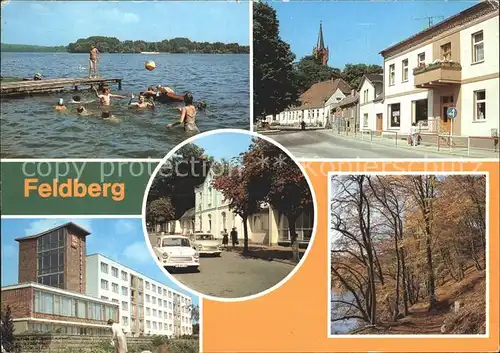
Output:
[[344, 326], [32, 129]]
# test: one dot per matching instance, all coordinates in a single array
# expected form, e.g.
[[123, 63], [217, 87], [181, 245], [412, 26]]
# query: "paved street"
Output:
[[325, 144], [233, 276]]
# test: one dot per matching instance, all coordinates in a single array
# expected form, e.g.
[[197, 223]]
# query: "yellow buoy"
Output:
[[150, 65]]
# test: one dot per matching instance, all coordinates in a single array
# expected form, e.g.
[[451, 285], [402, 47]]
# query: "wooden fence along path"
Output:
[[22, 88]]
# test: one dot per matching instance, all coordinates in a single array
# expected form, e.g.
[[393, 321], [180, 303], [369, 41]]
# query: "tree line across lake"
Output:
[[114, 45]]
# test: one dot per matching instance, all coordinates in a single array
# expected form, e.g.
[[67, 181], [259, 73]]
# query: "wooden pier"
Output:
[[23, 88]]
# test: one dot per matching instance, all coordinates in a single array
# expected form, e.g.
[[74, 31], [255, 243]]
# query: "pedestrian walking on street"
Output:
[[234, 237], [225, 238], [414, 134], [118, 340]]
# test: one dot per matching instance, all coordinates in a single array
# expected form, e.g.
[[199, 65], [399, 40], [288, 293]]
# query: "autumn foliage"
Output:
[[400, 242], [266, 175]]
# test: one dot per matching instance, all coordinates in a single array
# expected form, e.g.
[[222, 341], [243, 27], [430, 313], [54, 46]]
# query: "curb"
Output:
[[261, 258], [458, 154]]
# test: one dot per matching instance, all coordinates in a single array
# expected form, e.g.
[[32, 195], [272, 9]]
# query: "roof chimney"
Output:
[[353, 92]]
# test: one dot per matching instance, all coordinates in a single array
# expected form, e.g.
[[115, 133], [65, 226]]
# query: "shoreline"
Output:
[[165, 52]]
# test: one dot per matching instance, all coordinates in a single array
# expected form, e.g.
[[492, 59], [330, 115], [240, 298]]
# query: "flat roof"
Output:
[[58, 291], [65, 225], [142, 274]]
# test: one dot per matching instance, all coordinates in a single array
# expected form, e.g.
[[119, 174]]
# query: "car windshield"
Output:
[[175, 242], [204, 237]]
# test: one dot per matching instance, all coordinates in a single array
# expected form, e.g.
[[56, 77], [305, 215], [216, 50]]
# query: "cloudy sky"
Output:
[[61, 22]]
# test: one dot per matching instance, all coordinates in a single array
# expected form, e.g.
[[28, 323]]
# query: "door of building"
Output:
[[379, 122], [445, 123]]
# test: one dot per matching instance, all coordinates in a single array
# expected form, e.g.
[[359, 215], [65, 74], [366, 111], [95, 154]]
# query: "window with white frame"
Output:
[[365, 96], [365, 120], [104, 284], [477, 47], [104, 267], [421, 60], [124, 290], [480, 105], [124, 276], [446, 51], [114, 286], [114, 272], [395, 114], [392, 73], [404, 70]]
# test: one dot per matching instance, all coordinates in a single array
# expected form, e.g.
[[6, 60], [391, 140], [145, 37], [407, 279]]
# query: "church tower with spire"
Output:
[[320, 53]]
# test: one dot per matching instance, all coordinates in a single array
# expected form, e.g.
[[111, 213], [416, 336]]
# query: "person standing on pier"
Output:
[[93, 61]]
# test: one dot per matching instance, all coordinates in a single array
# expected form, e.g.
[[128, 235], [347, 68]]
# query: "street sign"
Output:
[[451, 113]]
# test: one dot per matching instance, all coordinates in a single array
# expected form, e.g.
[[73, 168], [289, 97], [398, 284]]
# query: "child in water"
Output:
[[187, 116], [60, 107]]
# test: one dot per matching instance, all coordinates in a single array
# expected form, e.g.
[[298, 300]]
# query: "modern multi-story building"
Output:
[[146, 306], [62, 290], [51, 295], [452, 64], [40, 308], [268, 227]]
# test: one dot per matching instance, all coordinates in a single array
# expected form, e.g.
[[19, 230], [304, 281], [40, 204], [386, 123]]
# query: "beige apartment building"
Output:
[[453, 64]]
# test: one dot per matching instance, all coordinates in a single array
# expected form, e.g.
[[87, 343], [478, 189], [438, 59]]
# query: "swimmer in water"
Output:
[[105, 97], [188, 116], [150, 92], [163, 90], [60, 107], [78, 100], [82, 111], [141, 104], [106, 115]]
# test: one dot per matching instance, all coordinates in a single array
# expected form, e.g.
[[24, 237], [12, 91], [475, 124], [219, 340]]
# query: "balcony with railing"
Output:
[[437, 74]]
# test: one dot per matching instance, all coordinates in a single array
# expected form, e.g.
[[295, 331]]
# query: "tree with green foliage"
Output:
[[174, 45], [236, 188], [178, 177], [279, 181], [160, 210], [309, 71], [353, 73], [195, 313], [7, 329], [274, 86]]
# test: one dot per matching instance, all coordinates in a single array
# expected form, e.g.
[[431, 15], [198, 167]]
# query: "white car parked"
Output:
[[176, 251], [206, 244]]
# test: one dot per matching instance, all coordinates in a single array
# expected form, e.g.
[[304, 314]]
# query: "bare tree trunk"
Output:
[[398, 275], [245, 233], [292, 219], [365, 229], [430, 268], [474, 255]]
